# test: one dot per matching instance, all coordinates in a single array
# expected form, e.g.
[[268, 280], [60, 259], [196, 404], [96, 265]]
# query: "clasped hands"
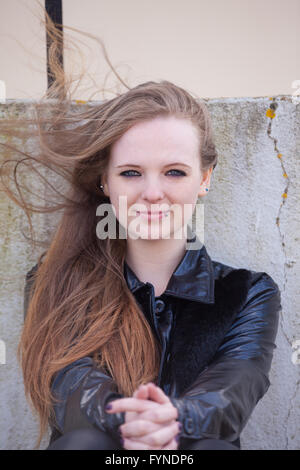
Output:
[[150, 419]]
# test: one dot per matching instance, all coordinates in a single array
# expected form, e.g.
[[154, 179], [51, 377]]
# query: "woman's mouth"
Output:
[[153, 215]]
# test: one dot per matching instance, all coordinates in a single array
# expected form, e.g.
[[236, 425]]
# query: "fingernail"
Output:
[[108, 407]]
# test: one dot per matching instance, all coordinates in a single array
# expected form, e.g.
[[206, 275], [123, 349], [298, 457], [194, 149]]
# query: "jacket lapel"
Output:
[[193, 278]]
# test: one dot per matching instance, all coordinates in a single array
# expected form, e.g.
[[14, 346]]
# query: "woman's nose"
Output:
[[152, 191]]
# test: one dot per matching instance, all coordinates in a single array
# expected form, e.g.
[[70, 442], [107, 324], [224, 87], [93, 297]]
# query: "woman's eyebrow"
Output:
[[169, 164]]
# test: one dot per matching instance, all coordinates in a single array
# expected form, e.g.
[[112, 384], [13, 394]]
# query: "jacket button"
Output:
[[189, 425], [159, 306]]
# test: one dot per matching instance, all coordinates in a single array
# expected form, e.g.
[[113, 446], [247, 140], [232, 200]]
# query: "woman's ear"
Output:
[[104, 184], [205, 183], [105, 190]]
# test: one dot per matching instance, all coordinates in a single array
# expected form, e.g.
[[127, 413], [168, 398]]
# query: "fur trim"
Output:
[[200, 328]]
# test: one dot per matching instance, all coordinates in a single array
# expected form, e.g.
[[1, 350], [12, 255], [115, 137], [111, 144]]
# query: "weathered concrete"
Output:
[[248, 223]]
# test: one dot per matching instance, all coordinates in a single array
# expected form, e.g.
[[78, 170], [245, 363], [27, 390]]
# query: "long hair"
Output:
[[81, 305]]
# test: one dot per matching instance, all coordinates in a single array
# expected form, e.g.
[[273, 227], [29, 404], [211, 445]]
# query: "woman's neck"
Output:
[[154, 261]]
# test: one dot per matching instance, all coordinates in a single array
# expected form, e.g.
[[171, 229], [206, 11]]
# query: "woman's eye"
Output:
[[178, 173], [128, 171]]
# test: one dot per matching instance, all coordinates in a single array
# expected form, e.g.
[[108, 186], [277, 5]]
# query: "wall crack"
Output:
[[287, 263]]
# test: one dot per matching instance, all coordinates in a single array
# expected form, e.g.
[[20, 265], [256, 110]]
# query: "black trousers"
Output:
[[94, 439]]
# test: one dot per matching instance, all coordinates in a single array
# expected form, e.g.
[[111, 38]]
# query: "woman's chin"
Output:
[[157, 233]]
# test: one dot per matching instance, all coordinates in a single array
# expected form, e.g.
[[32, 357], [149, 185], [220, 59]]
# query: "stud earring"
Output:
[[101, 187]]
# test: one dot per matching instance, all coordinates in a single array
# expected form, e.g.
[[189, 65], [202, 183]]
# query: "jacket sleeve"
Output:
[[221, 400], [83, 390]]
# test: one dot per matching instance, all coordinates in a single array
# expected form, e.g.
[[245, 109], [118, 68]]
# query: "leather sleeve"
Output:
[[220, 402], [82, 388], [84, 391]]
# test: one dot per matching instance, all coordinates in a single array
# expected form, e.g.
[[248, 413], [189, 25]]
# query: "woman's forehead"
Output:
[[150, 142]]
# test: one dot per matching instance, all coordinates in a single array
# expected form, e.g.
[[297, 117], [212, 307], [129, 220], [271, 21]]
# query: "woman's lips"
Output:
[[153, 215]]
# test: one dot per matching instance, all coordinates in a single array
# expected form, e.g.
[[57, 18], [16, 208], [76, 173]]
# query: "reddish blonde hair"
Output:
[[81, 304]]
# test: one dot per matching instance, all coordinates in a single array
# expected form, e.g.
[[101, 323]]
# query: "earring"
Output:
[[101, 187]]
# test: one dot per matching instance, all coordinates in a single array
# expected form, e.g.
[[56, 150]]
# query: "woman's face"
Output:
[[155, 166]]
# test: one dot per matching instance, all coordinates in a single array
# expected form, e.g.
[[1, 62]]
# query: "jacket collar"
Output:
[[192, 279]]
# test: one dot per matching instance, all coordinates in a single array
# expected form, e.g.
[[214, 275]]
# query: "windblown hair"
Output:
[[81, 304]]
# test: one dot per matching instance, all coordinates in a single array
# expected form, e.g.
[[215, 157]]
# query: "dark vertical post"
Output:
[[54, 10]]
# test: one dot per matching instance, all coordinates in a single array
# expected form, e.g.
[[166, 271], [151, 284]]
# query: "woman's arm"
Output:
[[220, 402], [84, 390]]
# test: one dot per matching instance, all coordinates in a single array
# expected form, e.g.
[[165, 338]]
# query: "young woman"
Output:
[[177, 344]]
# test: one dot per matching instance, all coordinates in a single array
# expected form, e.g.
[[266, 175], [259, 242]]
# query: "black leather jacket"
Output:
[[217, 325]]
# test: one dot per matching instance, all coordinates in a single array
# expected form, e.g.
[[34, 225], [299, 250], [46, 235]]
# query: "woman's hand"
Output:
[[150, 419], [157, 435]]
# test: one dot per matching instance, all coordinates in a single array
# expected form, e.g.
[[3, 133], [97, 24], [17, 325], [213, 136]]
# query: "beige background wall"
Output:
[[214, 48]]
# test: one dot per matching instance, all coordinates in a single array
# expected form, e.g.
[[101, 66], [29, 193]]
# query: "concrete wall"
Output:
[[248, 223], [216, 48]]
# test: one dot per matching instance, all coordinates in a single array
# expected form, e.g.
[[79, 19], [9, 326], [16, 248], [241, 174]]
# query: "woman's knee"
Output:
[[85, 439]]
